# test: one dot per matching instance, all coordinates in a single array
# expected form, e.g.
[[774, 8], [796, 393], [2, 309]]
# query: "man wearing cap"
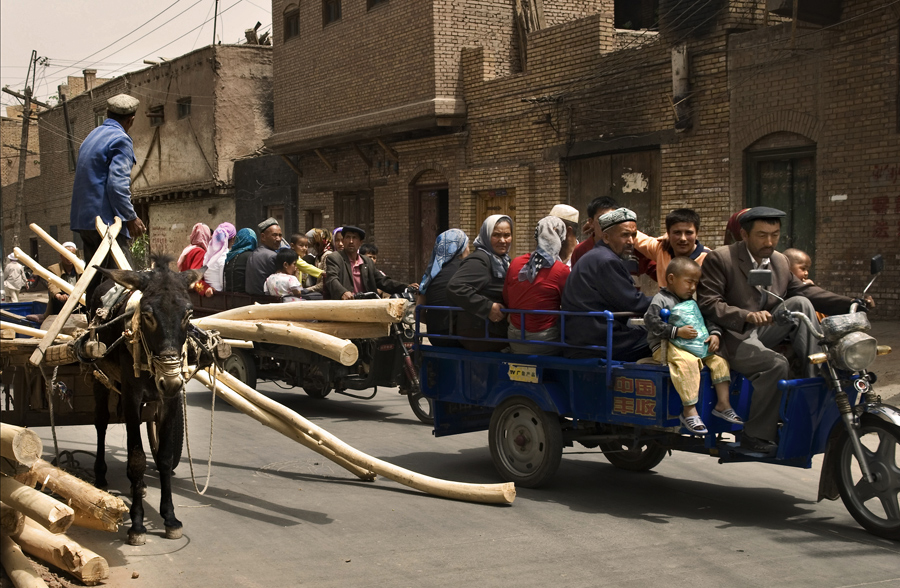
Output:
[[348, 273], [68, 272], [103, 181], [601, 281], [14, 278], [591, 229], [261, 264], [745, 313], [568, 215]]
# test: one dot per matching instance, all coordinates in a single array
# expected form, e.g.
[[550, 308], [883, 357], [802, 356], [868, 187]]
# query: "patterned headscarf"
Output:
[[499, 263], [448, 245], [200, 236], [214, 259], [549, 234], [245, 240]]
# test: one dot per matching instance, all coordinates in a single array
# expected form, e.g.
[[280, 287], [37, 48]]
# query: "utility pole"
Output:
[[215, 18], [19, 211]]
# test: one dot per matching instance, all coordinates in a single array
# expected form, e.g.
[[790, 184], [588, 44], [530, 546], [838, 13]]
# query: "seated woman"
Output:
[[450, 248], [236, 260], [284, 281], [477, 286], [192, 256], [216, 251], [535, 281]]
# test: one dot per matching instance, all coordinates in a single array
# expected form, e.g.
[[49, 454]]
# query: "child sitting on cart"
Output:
[[691, 344], [284, 281]]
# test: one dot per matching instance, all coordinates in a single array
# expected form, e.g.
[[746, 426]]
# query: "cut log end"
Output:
[[21, 444]]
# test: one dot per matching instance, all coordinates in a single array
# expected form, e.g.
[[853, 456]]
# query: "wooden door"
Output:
[[489, 202], [433, 218]]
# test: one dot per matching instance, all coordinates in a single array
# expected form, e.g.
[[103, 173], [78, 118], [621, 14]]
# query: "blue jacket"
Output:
[[103, 178]]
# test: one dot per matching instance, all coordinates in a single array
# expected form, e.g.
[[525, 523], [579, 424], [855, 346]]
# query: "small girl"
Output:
[[300, 245], [284, 281]]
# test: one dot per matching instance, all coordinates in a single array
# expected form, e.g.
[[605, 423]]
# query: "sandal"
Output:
[[728, 415], [694, 424]]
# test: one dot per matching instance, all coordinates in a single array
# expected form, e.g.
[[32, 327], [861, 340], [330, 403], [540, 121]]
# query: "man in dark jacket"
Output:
[[601, 281], [726, 298], [348, 273]]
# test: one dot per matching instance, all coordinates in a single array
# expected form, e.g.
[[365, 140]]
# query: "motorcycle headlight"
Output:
[[855, 351]]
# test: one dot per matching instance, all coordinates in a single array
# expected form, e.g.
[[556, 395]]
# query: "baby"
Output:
[[800, 264], [686, 355]]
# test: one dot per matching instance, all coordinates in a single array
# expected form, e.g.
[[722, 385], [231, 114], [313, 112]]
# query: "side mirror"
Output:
[[760, 277], [877, 265]]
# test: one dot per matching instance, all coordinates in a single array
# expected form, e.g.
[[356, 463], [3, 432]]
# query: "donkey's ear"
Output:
[[191, 277], [129, 279]]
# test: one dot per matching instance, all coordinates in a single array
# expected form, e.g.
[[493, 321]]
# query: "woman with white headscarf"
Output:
[[450, 248], [477, 286], [216, 251], [535, 281]]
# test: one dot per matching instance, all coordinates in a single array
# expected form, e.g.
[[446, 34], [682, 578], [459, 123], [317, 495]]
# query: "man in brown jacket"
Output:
[[745, 314]]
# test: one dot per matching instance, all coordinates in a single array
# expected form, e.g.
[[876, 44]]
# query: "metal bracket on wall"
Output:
[[292, 165], [327, 163]]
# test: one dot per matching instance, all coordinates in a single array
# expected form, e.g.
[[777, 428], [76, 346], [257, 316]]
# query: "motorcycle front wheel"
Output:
[[874, 505]]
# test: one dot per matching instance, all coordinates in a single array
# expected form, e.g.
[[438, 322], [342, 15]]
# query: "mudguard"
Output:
[[827, 483]]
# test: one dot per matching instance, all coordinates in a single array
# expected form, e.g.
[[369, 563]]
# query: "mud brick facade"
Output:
[[209, 108]]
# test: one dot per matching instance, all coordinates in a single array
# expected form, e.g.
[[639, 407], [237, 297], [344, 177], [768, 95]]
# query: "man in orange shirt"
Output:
[[682, 228]]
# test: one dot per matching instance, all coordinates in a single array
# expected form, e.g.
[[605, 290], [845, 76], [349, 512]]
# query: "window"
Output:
[[313, 218], [370, 4], [157, 115], [636, 14], [331, 11], [184, 108], [357, 209], [99, 117], [291, 22]]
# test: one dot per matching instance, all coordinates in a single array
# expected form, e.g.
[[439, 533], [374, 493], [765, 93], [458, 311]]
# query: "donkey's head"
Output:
[[165, 314]]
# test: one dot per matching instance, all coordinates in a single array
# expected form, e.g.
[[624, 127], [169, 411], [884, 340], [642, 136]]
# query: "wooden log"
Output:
[[17, 566], [31, 332], [11, 520], [7, 334], [340, 350], [20, 444], [487, 493], [340, 330], [114, 250], [45, 273], [73, 259], [237, 343], [77, 493], [62, 552], [48, 511], [271, 421], [80, 288], [386, 310], [87, 521]]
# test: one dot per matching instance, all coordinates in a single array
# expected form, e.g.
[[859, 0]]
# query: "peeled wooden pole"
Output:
[[45, 273], [387, 310], [87, 521], [73, 259], [340, 350], [80, 495], [115, 251], [17, 566], [269, 420], [487, 493], [62, 552], [23, 330], [11, 520], [339, 330], [48, 511], [20, 444]]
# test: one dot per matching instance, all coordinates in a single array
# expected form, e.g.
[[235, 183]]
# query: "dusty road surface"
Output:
[[276, 514]]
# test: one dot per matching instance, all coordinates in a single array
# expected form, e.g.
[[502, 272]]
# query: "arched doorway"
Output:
[[431, 215]]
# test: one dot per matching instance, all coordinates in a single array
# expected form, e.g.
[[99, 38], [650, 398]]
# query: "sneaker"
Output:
[[694, 424], [755, 445]]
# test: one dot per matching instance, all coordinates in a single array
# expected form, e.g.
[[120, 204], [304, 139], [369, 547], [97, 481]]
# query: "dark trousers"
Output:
[[91, 242]]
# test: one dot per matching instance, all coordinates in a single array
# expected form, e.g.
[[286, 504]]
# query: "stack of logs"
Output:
[[35, 522]]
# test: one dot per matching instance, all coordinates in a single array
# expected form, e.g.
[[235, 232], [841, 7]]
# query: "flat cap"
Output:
[[567, 213], [122, 104], [266, 224], [357, 230], [615, 217], [760, 213]]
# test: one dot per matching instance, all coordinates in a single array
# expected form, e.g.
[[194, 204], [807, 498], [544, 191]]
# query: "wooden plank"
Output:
[[362, 156], [388, 151], [114, 249], [80, 287], [73, 259], [324, 159], [292, 165], [45, 273]]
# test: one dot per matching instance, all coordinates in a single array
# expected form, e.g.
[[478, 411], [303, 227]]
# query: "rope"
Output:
[[51, 381], [187, 441]]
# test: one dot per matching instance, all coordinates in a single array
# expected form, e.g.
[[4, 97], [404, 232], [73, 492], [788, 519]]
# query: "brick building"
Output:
[[416, 117], [198, 114], [11, 139]]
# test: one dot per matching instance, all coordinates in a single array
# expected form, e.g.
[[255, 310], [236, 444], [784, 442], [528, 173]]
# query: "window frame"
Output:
[[156, 115], [325, 12], [291, 15], [183, 107], [370, 4]]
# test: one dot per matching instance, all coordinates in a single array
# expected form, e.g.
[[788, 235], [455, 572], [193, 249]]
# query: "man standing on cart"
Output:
[[726, 298]]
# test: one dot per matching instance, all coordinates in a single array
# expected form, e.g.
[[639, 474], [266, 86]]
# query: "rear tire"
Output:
[[875, 506], [422, 407], [314, 382], [646, 457], [242, 366], [525, 441]]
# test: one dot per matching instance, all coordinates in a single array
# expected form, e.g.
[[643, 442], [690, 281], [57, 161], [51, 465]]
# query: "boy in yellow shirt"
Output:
[[680, 240]]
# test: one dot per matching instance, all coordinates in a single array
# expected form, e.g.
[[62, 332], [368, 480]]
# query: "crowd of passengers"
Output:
[[717, 319]]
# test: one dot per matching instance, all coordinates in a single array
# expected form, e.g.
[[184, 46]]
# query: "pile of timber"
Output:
[[35, 523], [321, 326]]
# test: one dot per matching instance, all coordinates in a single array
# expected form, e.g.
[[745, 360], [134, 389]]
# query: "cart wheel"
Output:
[[625, 457], [314, 382], [525, 442], [422, 407], [874, 505], [241, 365]]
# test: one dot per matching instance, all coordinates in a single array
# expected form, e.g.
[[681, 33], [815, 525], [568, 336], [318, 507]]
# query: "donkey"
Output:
[[162, 323]]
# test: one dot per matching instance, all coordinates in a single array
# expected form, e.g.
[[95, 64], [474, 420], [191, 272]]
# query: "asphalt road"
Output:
[[276, 514]]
